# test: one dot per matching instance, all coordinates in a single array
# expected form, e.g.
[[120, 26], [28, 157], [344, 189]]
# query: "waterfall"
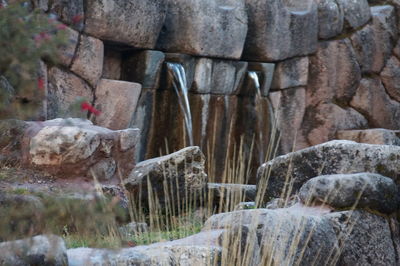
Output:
[[260, 119], [178, 74]]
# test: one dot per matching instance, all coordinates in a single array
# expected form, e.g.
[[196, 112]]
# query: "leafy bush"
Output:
[[26, 37]]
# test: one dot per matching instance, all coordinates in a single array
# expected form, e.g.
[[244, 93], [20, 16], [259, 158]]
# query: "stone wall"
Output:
[[325, 66]]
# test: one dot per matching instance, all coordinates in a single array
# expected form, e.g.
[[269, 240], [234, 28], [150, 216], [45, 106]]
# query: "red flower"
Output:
[[61, 27], [77, 18], [85, 106], [41, 83]]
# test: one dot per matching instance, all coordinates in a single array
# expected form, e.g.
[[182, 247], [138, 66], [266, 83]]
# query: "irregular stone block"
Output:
[[390, 76], [88, 62], [180, 173], [363, 190], [330, 19], [356, 13], [374, 43], [203, 73], [70, 12], [144, 67], [279, 29], [117, 101], [321, 123], [136, 23], [66, 53], [291, 73], [373, 102], [65, 93], [289, 108], [334, 157], [206, 28], [39, 250], [334, 73], [227, 76], [371, 136]]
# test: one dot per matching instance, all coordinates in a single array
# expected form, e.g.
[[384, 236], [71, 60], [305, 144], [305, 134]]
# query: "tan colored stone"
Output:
[[372, 101], [117, 102], [378, 136], [88, 62], [67, 52], [112, 64], [334, 73], [64, 92], [322, 122], [390, 76]]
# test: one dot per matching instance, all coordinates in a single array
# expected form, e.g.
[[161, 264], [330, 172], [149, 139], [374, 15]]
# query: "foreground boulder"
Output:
[[181, 174], [39, 250], [289, 172], [69, 148], [364, 190]]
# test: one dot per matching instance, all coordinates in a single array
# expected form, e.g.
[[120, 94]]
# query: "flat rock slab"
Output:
[[289, 172], [363, 190]]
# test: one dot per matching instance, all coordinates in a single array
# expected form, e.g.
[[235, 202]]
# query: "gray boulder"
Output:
[[207, 28], [291, 73], [39, 250], [289, 172], [136, 23], [390, 76], [364, 190], [182, 174], [280, 29], [356, 13], [330, 19], [365, 239]]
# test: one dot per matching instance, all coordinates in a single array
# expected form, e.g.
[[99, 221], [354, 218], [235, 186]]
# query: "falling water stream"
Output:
[[260, 119], [177, 71]]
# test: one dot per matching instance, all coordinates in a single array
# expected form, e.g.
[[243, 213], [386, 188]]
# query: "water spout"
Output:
[[178, 75], [260, 118]]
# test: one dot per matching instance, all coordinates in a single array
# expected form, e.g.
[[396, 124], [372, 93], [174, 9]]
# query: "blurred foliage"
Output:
[[26, 37]]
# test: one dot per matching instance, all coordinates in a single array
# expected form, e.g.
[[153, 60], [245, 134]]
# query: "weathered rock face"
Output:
[[371, 136], [117, 102], [390, 76], [119, 21], [330, 19], [74, 147], [372, 101], [291, 73], [374, 43], [356, 13], [279, 29], [364, 190], [39, 250], [178, 173], [334, 157], [207, 28], [65, 91], [88, 62], [365, 238]]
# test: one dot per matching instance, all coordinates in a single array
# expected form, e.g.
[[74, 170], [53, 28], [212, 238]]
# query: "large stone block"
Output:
[[390, 76], [371, 136], [330, 19], [373, 102], [136, 23], [291, 73], [334, 73], [356, 13], [88, 62], [117, 102], [279, 29], [374, 43], [207, 28], [65, 92]]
